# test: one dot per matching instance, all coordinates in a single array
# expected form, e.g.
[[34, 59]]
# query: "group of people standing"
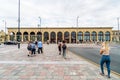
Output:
[[35, 46], [38, 46], [62, 47]]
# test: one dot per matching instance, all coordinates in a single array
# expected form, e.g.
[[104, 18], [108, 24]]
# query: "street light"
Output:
[[77, 26], [40, 23], [77, 21], [5, 29], [118, 29], [19, 24]]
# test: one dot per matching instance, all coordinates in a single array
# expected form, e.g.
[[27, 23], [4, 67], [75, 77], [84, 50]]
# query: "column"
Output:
[[15, 38], [49, 36], [90, 37], [29, 37], [22, 37], [76, 36], [111, 36], [63, 36], [69, 37], [42, 37], [8, 37], [97, 36], [83, 36], [56, 37]]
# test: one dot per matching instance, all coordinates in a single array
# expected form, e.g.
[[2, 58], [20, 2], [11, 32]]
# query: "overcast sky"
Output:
[[57, 13]]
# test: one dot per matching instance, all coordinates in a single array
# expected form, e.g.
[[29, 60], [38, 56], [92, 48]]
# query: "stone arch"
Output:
[[25, 36], [59, 36], [32, 36], [39, 36], [80, 36], [12, 36], [101, 36], [73, 37], [87, 36], [94, 36], [66, 36], [46, 36], [19, 36], [53, 37]]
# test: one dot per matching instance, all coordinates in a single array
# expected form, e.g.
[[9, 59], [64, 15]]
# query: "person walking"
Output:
[[29, 48], [40, 47], [33, 48], [64, 47], [105, 52], [60, 47]]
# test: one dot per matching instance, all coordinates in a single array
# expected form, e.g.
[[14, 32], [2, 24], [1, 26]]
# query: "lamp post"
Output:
[[5, 28], [40, 23], [118, 28], [77, 27], [19, 24]]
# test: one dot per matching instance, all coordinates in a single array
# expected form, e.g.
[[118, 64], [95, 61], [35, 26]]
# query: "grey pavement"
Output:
[[16, 65]]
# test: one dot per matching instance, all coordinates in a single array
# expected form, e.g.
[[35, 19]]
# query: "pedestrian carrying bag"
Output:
[[29, 47], [64, 46]]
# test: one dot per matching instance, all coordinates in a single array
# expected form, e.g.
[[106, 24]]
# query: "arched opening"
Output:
[[87, 36], [66, 37], [32, 36], [53, 37], [94, 36], [59, 36], [100, 36], [107, 36], [19, 36], [46, 36], [73, 37], [80, 36], [39, 36], [25, 36], [12, 36]]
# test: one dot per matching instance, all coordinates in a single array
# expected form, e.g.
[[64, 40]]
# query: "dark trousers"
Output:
[[40, 49], [64, 53], [105, 59], [33, 51], [59, 48]]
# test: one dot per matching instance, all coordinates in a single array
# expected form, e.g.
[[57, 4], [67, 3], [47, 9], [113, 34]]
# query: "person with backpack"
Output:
[[29, 48], [33, 48], [64, 47]]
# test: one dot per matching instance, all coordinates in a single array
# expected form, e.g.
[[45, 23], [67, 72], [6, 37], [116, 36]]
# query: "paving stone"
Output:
[[16, 65]]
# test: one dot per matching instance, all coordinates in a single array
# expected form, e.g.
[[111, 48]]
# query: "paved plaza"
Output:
[[16, 65]]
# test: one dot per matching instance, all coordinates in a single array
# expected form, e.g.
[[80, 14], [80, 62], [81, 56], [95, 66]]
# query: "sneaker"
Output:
[[108, 76], [101, 74], [28, 55]]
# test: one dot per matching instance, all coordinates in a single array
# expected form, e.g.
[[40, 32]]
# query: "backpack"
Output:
[[29, 47], [64, 46]]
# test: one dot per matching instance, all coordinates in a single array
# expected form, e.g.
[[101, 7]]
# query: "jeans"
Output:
[[40, 49], [105, 59], [33, 51], [64, 53]]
